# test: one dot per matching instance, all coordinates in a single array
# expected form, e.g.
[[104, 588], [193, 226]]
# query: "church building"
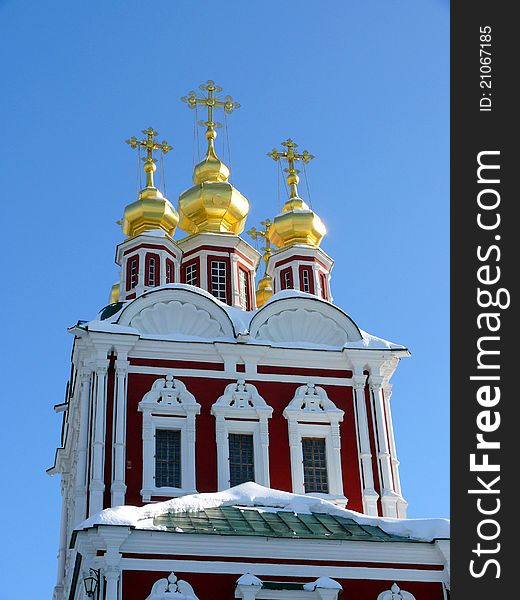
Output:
[[227, 429]]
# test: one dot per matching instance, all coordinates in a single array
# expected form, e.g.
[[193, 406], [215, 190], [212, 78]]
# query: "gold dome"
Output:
[[114, 294], [212, 204], [297, 223], [264, 290], [151, 210]]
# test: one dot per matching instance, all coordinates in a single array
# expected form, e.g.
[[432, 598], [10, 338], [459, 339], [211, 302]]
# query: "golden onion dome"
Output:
[[212, 204], [264, 290], [297, 223], [151, 211]]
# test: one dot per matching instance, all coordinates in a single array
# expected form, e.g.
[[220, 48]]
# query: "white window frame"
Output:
[[169, 405], [243, 289], [191, 274], [221, 275], [241, 409], [311, 414]]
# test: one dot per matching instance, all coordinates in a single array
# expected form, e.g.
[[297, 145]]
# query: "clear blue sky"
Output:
[[363, 85]]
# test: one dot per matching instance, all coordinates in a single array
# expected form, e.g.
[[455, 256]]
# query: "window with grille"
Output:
[[315, 465], [218, 280], [151, 270], [191, 274], [286, 279], [241, 458], [243, 289], [133, 272], [306, 281], [167, 458]]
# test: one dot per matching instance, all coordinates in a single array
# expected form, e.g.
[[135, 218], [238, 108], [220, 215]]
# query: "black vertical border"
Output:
[[474, 131]]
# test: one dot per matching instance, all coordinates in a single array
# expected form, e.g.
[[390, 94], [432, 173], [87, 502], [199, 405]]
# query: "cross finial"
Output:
[[210, 102], [264, 234], [151, 146], [291, 157]]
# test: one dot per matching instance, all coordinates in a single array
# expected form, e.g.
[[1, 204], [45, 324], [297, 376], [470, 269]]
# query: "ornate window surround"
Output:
[[395, 593], [168, 405], [249, 587], [241, 409], [312, 414]]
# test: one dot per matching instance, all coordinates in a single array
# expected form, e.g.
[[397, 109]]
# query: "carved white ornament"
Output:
[[395, 593], [241, 409], [311, 413], [170, 396], [311, 403], [302, 326], [172, 589], [168, 405], [177, 317]]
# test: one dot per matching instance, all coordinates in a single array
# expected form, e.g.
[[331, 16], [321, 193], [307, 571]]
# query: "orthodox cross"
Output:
[[291, 157], [150, 146], [263, 233], [210, 102]]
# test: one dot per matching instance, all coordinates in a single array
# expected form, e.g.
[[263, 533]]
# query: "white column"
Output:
[[62, 551], [112, 574], [80, 484], [369, 494], [264, 449], [222, 453], [402, 505], [336, 481], [235, 288], [97, 486], [189, 474], [295, 446], [148, 455], [389, 497], [118, 488]]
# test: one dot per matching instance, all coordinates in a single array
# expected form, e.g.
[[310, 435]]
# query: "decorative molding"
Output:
[[250, 587], [312, 414], [395, 593], [165, 589], [303, 320], [241, 409], [168, 405], [178, 311]]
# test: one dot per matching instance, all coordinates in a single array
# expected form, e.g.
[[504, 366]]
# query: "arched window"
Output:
[[286, 279], [169, 412], [314, 442], [242, 435], [132, 272], [152, 270], [306, 280], [170, 271]]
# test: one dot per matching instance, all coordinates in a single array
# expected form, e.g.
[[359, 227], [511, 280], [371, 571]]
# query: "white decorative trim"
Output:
[[395, 593], [241, 401], [303, 320], [249, 587], [312, 414], [165, 589], [169, 405], [178, 311]]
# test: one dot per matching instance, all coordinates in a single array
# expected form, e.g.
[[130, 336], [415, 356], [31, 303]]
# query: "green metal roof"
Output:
[[232, 520]]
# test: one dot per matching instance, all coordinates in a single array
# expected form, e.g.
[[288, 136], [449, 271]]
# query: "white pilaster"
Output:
[[97, 486], [402, 505], [389, 497], [80, 487], [370, 496], [118, 488]]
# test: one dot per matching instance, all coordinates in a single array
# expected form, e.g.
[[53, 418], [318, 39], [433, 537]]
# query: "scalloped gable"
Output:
[[302, 320], [178, 311]]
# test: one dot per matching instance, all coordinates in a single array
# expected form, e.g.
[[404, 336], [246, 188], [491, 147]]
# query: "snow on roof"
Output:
[[262, 498], [240, 319]]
